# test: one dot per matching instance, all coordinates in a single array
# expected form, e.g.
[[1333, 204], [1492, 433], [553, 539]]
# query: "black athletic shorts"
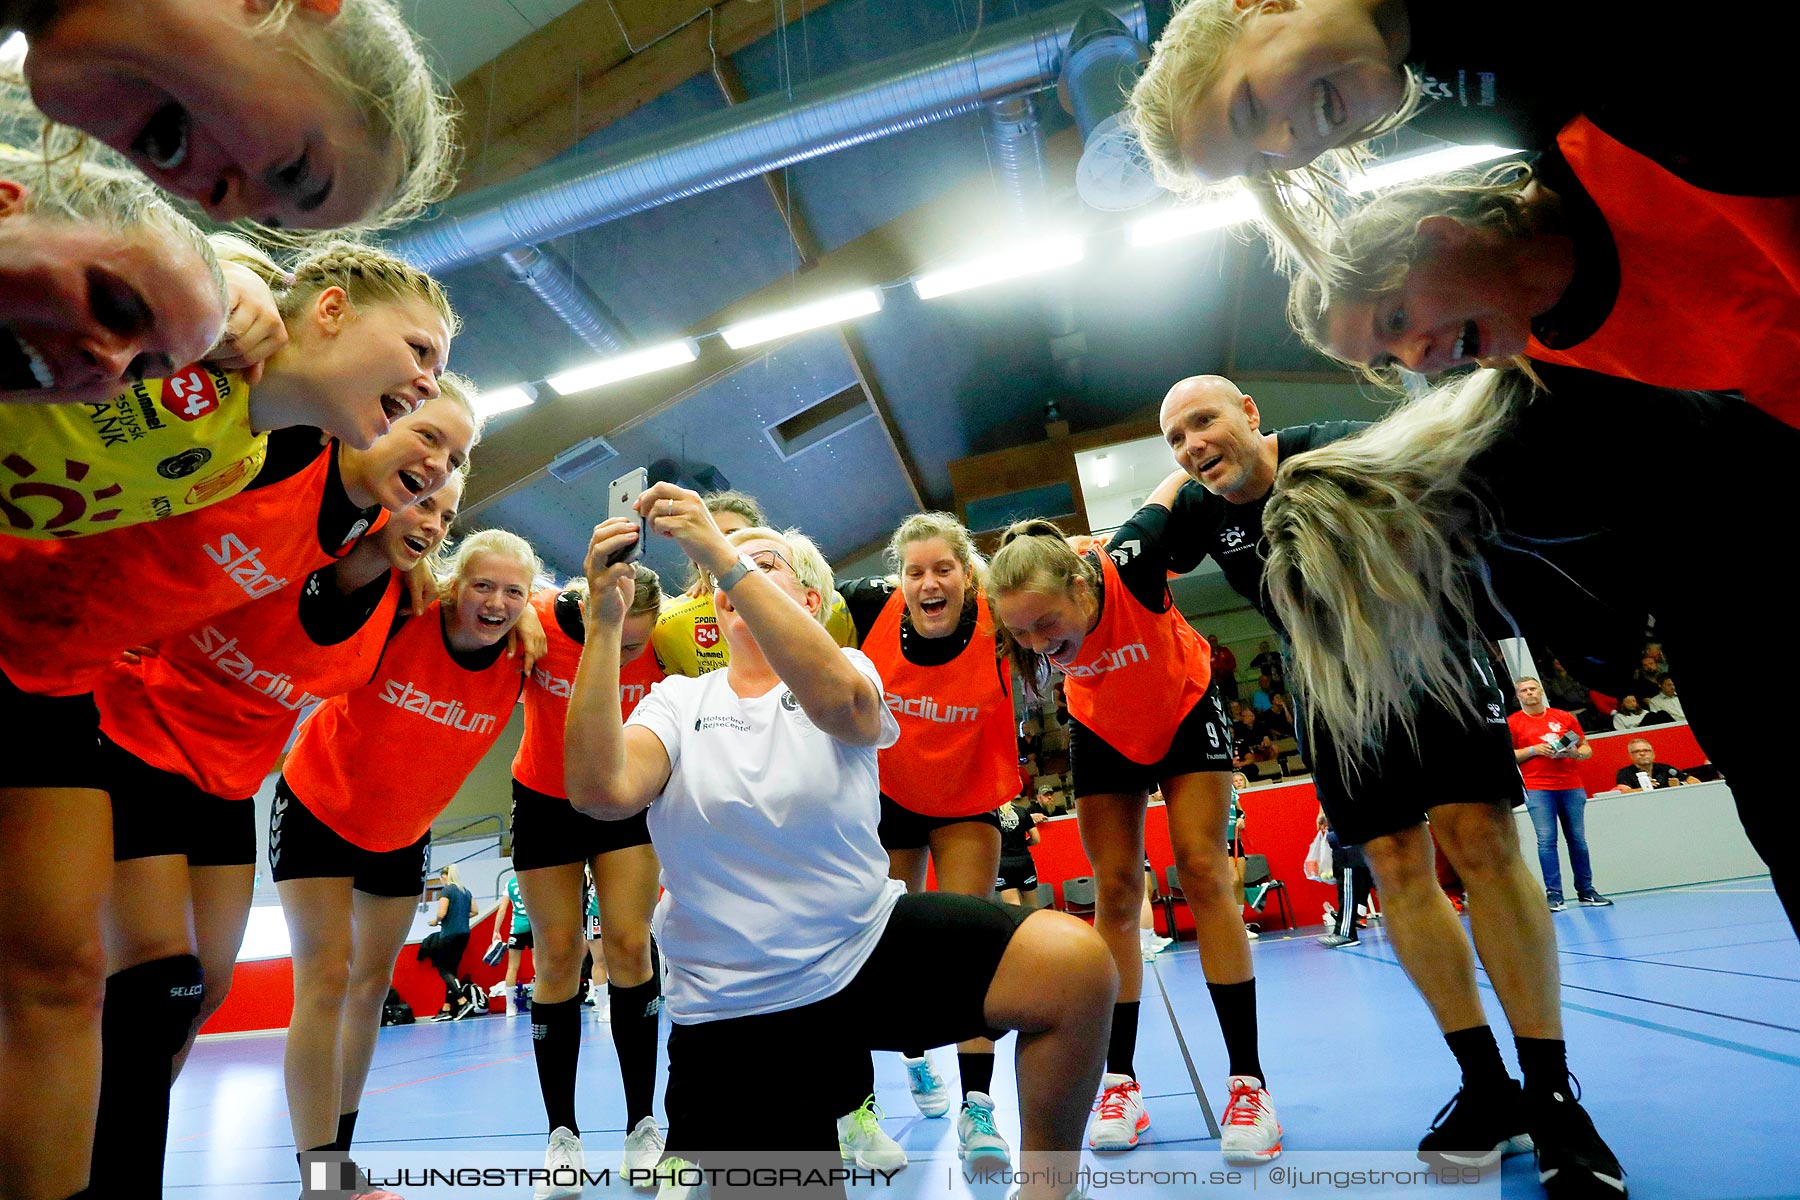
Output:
[[1459, 760], [714, 1104], [50, 740], [303, 847], [548, 832], [1202, 743], [157, 813], [903, 829], [520, 940], [1020, 873]]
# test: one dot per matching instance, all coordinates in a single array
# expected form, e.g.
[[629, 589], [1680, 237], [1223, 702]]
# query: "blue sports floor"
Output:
[[1682, 1017]]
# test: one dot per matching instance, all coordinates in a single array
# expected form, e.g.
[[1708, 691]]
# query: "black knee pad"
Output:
[[155, 1002]]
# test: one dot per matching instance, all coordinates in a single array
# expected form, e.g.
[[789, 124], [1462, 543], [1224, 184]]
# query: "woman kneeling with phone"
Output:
[[782, 930]]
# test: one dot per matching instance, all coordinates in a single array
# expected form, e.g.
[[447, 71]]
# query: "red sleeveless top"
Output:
[[217, 703], [958, 753], [1709, 284], [1138, 674], [539, 763], [72, 606], [380, 764]]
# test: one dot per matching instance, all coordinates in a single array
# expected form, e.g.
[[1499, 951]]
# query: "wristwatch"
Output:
[[742, 567]]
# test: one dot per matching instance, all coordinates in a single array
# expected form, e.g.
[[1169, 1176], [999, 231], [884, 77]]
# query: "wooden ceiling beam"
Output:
[[579, 74]]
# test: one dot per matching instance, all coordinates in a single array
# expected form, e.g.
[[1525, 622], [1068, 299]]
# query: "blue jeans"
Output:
[[1570, 806]]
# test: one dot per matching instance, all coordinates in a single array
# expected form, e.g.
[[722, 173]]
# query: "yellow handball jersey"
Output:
[[687, 641], [163, 448]]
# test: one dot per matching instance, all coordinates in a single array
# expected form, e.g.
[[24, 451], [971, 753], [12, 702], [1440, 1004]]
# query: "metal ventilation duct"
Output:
[[1018, 154], [552, 278], [855, 106]]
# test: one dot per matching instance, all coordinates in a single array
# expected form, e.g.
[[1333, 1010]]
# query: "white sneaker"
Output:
[[1121, 1115], [564, 1161], [928, 1090], [863, 1141], [669, 1185], [1249, 1132], [643, 1150], [1152, 943], [512, 1006], [978, 1143]]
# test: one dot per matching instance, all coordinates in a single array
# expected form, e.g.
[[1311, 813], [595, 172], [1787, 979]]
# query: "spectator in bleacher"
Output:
[[1224, 667], [1278, 722], [1269, 662], [1264, 695], [1644, 772], [1630, 713], [1243, 729], [1564, 690], [1547, 743], [1666, 701], [1647, 682]]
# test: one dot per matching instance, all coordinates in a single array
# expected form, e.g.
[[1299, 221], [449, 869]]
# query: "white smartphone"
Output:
[[621, 501]]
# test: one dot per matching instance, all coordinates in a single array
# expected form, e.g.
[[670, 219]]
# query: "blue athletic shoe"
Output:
[[928, 1090]]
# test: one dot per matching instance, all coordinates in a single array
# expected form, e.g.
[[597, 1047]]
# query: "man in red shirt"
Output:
[[1224, 667], [1548, 742]]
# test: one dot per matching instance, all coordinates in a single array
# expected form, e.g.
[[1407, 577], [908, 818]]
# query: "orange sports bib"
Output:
[[958, 752]]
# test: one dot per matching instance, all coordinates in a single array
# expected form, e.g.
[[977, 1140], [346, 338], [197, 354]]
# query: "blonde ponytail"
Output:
[[1373, 542]]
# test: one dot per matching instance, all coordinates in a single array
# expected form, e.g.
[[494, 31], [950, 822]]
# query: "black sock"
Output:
[[1236, 1005], [977, 1071], [634, 1020], [1478, 1054], [1545, 1064], [144, 1022], [556, 1044], [1123, 1042], [346, 1130]]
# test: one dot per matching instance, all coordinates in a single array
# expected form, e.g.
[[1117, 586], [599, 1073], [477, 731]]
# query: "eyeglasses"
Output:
[[766, 560]]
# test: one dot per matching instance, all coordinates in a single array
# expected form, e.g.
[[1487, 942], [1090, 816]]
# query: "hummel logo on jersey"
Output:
[[245, 569], [1125, 551], [224, 654], [402, 695], [1112, 660], [927, 708]]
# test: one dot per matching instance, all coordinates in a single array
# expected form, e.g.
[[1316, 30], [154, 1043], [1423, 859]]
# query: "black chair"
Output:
[[1042, 896], [1258, 876], [1171, 897], [1078, 896]]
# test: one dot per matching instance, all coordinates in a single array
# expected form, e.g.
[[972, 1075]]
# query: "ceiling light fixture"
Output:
[[625, 366], [1391, 171], [499, 400], [1189, 219], [819, 313], [1025, 258], [1102, 472]]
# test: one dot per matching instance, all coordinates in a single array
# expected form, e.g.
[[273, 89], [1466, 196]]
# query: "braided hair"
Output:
[[1035, 555], [368, 276]]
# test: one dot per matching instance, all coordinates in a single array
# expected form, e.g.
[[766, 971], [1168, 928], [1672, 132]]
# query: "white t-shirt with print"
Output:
[[777, 887]]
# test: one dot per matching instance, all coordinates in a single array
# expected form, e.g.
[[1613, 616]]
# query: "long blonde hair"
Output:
[[1374, 544], [1184, 64], [1036, 556], [369, 54]]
